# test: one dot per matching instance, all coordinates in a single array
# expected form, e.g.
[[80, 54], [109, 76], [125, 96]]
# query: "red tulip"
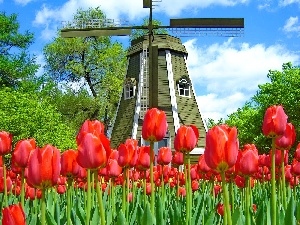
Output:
[[22, 151], [287, 139], [155, 125], [247, 162], [275, 121], [186, 138], [177, 159], [93, 151], [221, 148], [202, 166], [5, 142], [295, 168], [113, 168], [195, 185], [90, 126], [297, 152], [220, 209], [13, 215], [44, 167], [143, 161], [69, 165], [164, 156], [128, 153]]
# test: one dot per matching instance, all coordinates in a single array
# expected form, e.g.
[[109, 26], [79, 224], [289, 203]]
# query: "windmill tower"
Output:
[[157, 75], [169, 89]]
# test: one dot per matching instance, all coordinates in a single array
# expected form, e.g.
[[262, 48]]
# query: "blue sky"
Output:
[[225, 71]]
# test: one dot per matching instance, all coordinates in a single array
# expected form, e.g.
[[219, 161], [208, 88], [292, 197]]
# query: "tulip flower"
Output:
[[128, 153], [69, 165], [143, 161], [13, 215], [275, 121], [5, 142], [177, 159], [220, 154], [164, 156], [155, 125], [22, 151], [247, 162], [44, 167], [287, 139], [94, 127], [93, 151], [5, 148], [221, 148], [186, 138]]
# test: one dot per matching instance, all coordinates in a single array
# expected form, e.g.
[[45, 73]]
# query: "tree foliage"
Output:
[[283, 89], [95, 62], [26, 115], [139, 32], [15, 62]]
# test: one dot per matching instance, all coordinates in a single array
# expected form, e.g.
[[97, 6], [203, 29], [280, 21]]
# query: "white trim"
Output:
[[172, 90], [197, 151], [138, 99], [204, 124], [111, 128]]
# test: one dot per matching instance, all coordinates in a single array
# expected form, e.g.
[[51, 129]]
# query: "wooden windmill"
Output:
[[157, 74]]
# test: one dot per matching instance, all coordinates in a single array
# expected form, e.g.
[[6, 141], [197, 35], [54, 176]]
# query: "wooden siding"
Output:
[[187, 107], [124, 120]]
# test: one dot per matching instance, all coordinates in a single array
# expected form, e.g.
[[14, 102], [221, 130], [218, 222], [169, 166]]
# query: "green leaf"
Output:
[[159, 211], [147, 216], [211, 218], [290, 213], [50, 219], [121, 218]]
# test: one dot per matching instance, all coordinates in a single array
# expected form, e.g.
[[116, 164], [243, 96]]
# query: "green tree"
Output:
[[97, 62], [283, 89], [26, 116], [15, 62], [141, 32]]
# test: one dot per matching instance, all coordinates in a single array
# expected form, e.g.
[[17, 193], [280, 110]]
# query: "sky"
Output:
[[225, 71]]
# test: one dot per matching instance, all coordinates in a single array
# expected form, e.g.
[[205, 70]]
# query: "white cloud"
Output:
[[22, 2], [288, 2], [226, 75], [292, 25]]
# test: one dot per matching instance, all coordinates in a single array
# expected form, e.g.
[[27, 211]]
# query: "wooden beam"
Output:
[[208, 22]]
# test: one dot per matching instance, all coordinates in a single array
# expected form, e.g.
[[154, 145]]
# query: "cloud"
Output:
[[22, 2], [292, 25], [284, 3], [226, 75]]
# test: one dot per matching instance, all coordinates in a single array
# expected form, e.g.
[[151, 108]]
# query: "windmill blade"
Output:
[[225, 27]]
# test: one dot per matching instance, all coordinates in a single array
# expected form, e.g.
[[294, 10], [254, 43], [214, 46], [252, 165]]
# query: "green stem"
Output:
[[226, 199], [127, 193], [124, 191], [88, 198], [22, 187], [283, 181], [99, 196], [112, 193], [151, 177], [4, 182], [247, 208], [231, 193], [273, 187], [70, 181], [43, 208], [188, 189]]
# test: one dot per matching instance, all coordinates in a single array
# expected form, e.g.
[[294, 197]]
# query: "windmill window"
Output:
[[129, 88], [183, 88]]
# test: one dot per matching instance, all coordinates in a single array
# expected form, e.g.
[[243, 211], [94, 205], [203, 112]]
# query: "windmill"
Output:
[[157, 75]]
